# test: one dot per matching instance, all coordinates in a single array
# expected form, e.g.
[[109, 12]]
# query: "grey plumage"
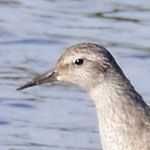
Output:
[[124, 117]]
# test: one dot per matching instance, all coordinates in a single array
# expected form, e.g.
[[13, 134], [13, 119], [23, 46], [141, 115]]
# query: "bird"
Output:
[[123, 115]]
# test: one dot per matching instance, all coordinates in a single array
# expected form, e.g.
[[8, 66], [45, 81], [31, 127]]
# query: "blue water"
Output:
[[33, 33]]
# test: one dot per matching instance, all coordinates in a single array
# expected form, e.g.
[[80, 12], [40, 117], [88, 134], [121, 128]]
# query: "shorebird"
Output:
[[123, 116]]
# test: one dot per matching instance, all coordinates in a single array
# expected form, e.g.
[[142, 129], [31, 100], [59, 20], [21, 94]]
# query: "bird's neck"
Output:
[[119, 109], [117, 97]]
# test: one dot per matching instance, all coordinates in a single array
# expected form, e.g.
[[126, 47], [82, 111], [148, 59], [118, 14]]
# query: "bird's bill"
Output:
[[49, 76]]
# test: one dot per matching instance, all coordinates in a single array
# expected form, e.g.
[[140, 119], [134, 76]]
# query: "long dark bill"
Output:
[[49, 76]]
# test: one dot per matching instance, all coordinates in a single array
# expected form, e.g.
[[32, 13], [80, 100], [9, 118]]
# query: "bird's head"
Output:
[[84, 64]]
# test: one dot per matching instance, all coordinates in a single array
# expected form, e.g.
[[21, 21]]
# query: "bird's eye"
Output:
[[79, 62]]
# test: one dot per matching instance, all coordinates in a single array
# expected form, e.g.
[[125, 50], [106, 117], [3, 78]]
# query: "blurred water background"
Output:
[[33, 33]]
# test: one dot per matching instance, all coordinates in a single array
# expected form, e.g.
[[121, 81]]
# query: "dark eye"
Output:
[[79, 61]]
